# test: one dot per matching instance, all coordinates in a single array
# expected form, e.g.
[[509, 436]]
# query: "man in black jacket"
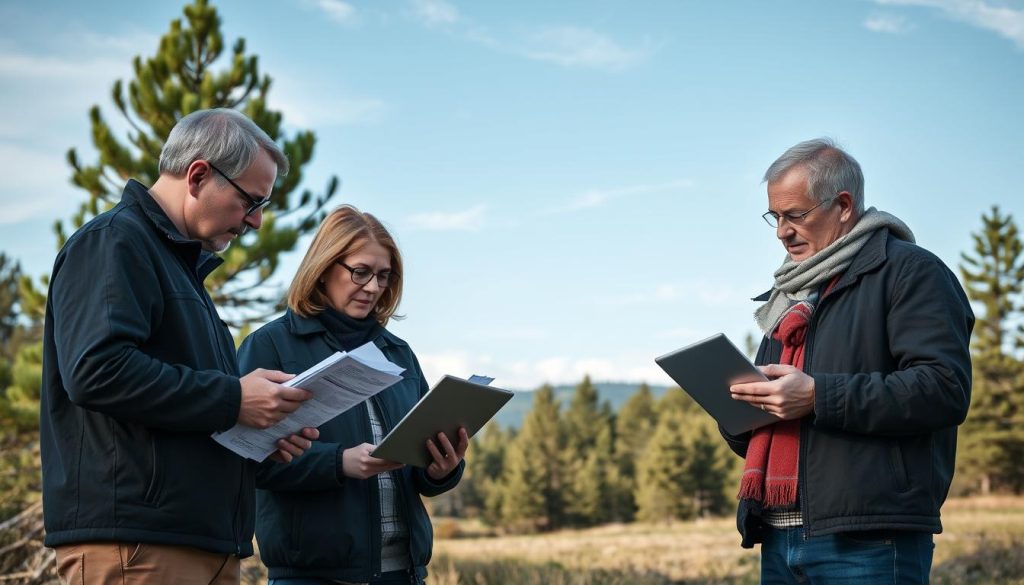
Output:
[[139, 370], [866, 348]]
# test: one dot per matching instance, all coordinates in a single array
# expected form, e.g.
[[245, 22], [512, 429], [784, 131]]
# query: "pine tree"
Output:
[[20, 379], [485, 462], [675, 400], [710, 467], [992, 442], [591, 490], [634, 426], [533, 478], [664, 489], [179, 79], [10, 275], [581, 419], [586, 462], [994, 278]]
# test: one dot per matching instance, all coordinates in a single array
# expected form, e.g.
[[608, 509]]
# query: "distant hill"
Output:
[[616, 393]]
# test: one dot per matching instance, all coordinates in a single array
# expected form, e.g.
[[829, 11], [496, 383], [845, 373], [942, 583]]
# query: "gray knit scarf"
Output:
[[798, 281]]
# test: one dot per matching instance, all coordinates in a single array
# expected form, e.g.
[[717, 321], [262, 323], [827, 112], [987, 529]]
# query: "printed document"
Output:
[[338, 383]]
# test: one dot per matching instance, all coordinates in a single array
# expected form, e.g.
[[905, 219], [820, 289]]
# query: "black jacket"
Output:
[[889, 351], [311, 520], [138, 370]]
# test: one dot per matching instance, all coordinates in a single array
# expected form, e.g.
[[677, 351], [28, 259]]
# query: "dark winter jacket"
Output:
[[888, 349], [138, 371], [311, 520]]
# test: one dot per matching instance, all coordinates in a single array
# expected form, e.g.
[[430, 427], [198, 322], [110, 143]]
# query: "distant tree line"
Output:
[[654, 460]]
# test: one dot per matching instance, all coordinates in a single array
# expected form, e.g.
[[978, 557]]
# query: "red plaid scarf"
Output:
[[776, 447], [773, 455]]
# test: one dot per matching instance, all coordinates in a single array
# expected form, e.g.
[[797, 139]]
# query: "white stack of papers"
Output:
[[338, 383]]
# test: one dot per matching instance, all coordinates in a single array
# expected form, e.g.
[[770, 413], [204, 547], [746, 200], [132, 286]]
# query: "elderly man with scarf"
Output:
[[866, 348]]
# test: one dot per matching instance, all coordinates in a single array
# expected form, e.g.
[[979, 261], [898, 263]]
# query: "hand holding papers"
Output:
[[450, 404], [338, 383]]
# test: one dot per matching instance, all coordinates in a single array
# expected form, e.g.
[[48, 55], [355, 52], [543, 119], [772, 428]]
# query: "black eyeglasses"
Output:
[[772, 218], [254, 203], [361, 275]]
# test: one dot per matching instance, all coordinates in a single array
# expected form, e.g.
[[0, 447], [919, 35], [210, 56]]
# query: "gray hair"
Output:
[[225, 137], [829, 171]]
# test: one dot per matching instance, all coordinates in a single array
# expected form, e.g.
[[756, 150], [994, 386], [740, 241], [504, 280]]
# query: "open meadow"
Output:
[[983, 543]]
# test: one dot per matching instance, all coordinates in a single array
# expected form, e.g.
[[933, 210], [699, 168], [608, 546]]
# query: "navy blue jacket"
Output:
[[311, 520], [138, 371], [889, 350]]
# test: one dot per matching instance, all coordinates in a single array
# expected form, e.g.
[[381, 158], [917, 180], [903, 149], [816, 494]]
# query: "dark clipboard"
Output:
[[706, 370], [450, 404]]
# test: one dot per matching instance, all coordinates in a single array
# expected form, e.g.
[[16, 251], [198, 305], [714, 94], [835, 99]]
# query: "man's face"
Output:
[[219, 209], [804, 237]]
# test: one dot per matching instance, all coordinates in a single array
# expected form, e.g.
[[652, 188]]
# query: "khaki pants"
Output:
[[119, 563]]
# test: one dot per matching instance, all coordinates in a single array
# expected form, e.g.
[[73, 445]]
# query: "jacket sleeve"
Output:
[[316, 468], [105, 304], [738, 443], [423, 482], [928, 325]]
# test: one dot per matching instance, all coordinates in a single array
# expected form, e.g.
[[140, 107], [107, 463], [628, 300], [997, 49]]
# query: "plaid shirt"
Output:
[[394, 534]]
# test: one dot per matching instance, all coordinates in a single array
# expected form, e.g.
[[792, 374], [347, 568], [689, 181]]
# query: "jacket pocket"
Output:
[[899, 467], [155, 485]]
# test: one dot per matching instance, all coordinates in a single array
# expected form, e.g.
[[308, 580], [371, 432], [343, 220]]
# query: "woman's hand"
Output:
[[445, 462], [358, 463]]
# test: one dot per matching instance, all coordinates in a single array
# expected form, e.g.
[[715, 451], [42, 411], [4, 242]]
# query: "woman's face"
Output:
[[358, 300]]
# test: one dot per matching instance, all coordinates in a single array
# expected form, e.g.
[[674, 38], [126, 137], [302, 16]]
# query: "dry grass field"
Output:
[[983, 544]]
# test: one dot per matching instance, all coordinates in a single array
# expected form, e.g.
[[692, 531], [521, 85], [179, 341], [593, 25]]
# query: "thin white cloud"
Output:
[[435, 12], [599, 197], [566, 46], [886, 23], [35, 185], [467, 220], [571, 46], [336, 10], [1001, 19], [305, 107], [21, 67], [308, 112]]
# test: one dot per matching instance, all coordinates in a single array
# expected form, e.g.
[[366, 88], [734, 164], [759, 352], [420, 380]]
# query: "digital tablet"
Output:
[[706, 370], [450, 404]]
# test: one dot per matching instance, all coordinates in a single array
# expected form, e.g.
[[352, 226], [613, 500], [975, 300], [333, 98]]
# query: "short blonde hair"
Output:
[[344, 231]]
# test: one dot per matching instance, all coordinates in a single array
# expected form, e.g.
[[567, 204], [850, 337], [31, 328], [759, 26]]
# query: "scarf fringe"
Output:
[[751, 485], [780, 495]]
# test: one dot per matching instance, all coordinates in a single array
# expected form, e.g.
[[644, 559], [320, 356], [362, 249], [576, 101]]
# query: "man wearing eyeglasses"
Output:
[[866, 348], [139, 370]]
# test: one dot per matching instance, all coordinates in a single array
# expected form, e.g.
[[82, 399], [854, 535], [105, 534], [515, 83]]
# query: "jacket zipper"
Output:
[[374, 508], [804, 428], [216, 335]]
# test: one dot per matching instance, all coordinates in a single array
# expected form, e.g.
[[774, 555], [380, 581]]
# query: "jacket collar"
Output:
[[303, 326], [191, 250], [871, 256]]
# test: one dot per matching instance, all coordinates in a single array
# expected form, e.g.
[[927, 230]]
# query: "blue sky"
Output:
[[575, 185]]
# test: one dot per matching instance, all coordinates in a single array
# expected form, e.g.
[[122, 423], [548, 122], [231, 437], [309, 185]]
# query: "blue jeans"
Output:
[[851, 558], [395, 577]]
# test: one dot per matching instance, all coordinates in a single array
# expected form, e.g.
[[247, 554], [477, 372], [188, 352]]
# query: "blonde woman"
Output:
[[336, 513]]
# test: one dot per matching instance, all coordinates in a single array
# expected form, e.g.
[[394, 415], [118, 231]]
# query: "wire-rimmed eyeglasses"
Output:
[[254, 203], [772, 218]]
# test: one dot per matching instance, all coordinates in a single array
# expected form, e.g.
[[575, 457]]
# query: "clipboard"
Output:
[[705, 370], [450, 404]]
